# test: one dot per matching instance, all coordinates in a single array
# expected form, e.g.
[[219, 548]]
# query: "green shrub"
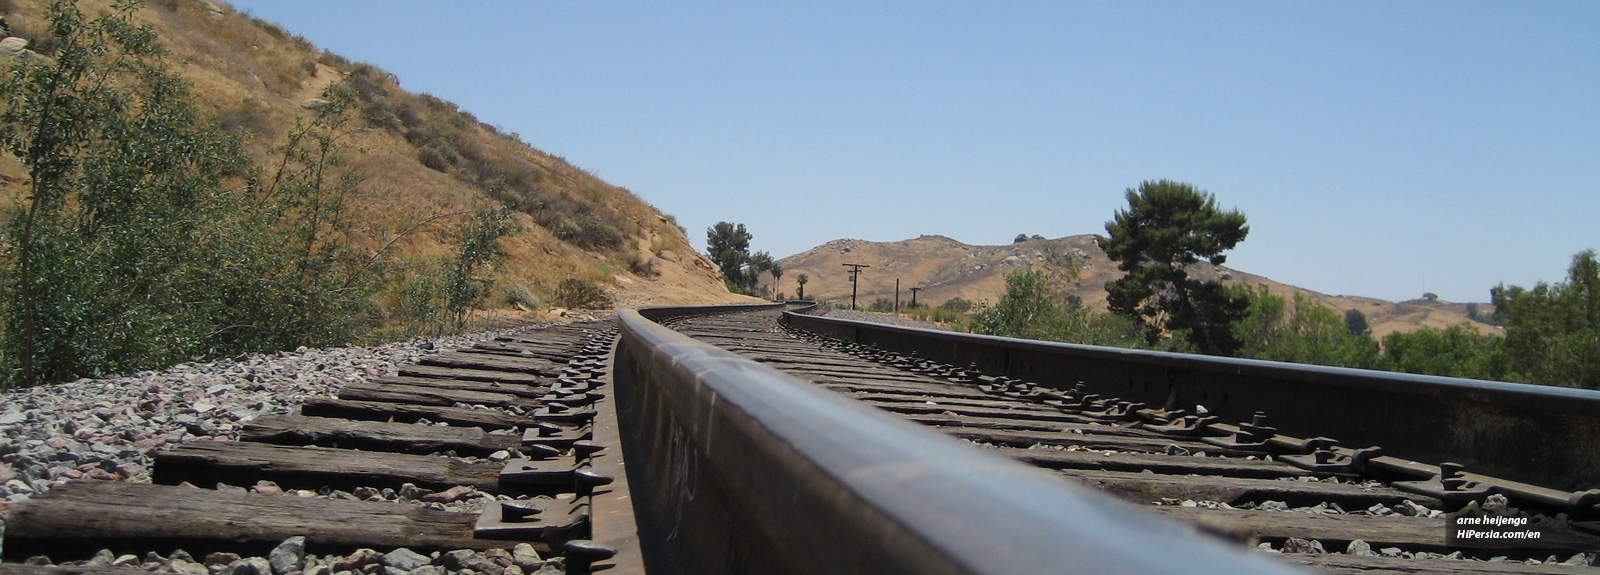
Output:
[[434, 158], [480, 249], [417, 300], [937, 315], [333, 60], [578, 293], [638, 265], [371, 86], [957, 305], [520, 295], [136, 246]]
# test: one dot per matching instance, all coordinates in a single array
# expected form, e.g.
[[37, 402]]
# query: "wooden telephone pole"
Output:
[[855, 273]]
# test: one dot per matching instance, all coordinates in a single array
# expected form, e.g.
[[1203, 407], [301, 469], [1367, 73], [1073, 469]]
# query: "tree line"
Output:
[[1552, 331]]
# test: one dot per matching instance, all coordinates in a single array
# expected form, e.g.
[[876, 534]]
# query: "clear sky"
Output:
[[1380, 149]]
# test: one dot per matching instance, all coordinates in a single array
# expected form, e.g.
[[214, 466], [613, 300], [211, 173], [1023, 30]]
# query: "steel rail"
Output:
[[1544, 435], [738, 468]]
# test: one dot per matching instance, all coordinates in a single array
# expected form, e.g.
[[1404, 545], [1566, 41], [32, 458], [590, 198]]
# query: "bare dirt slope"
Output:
[[422, 158], [945, 268]]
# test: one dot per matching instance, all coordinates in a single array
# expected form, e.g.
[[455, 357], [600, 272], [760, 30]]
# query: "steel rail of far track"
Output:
[[1547, 436], [738, 468]]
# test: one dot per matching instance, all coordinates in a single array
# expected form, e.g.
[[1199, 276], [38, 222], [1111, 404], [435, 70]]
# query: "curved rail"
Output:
[[1548, 436], [738, 468]]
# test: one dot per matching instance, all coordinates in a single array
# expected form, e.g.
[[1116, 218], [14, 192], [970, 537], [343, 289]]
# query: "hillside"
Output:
[[945, 268], [425, 162]]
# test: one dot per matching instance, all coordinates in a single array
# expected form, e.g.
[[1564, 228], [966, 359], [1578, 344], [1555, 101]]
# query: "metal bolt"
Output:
[[1450, 476], [1450, 470], [581, 553]]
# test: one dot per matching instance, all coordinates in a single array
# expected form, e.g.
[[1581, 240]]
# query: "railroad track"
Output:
[[458, 459], [761, 441], [1240, 480]]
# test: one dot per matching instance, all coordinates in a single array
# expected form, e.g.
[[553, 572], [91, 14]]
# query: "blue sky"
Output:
[[1381, 149]]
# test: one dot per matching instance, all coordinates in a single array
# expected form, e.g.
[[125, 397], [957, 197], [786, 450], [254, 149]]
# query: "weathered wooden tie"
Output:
[[77, 519], [375, 436], [430, 395], [205, 463], [409, 413]]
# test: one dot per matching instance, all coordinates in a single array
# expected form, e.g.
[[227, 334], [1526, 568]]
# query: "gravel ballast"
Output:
[[109, 428]]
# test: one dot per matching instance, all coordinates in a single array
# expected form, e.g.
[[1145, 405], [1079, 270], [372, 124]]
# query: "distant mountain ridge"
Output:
[[945, 268]]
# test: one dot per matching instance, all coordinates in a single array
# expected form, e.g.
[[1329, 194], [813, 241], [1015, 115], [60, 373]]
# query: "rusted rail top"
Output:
[[738, 468], [1544, 435]]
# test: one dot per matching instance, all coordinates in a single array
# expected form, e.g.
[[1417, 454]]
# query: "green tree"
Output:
[[1317, 335], [1026, 310], [1356, 322], [1456, 351], [1306, 332], [758, 263], [1032, 308], [1167, 227], [800, 292], [1265, 321], [1552, 331], [728, 245]]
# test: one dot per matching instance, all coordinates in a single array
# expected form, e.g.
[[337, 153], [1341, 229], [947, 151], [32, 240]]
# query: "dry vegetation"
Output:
[[946, 268], [423, 161]]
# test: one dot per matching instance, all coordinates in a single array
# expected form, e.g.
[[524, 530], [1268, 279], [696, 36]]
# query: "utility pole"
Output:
[[897, 296], [855, 274], [914, 296]]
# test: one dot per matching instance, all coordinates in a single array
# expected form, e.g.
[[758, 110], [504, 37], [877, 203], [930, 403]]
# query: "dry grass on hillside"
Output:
[[421, 158]]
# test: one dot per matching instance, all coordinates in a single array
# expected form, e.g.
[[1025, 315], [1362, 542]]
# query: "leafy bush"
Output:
[[417, 302], [592, 232], [938, 315], [1031, 308], [638, 265], [137, 246], [1552, 330], [520, 295], [1455, 351], [956, 304], [371, 86], [578, 293], [480, 248]]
